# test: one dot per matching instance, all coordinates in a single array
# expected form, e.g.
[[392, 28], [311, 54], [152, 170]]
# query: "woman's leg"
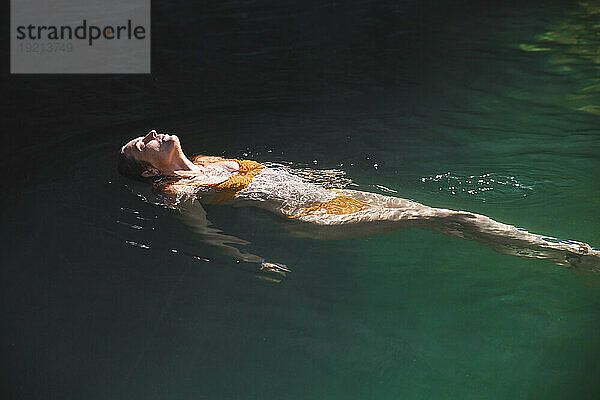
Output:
[[512, 240], [386, 214]]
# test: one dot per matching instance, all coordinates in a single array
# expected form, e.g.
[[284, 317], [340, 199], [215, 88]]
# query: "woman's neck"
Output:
[[180, 162]]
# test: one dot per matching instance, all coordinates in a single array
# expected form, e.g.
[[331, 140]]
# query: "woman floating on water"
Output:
[[313, 210]]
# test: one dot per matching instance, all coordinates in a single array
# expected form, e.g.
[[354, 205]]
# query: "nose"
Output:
[[150, 136]]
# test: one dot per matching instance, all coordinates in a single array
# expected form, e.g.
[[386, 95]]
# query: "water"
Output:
[[455, 105]]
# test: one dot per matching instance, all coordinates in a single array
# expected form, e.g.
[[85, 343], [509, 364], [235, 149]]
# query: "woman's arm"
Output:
[[194, 215]]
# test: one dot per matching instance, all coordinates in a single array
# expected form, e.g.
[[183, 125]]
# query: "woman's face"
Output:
[[158, 149]]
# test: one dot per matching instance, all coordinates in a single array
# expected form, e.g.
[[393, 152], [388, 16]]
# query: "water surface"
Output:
[[491, 109]]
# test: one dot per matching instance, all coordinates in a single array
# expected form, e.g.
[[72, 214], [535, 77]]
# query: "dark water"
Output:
[[465, 105]]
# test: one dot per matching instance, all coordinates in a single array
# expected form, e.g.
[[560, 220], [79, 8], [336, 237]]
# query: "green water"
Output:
[[460, 108]]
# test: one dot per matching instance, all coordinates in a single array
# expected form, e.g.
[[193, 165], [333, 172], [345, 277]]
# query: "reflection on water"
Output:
[[574, 46]]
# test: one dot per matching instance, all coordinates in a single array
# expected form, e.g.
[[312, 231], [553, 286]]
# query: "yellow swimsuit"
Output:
[[328, 203], [227, 190]]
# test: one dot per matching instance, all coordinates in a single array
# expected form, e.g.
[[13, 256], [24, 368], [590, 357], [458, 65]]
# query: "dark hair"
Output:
[[133, 168]]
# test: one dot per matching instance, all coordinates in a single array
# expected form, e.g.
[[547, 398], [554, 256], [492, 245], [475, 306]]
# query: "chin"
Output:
[[174, 143]]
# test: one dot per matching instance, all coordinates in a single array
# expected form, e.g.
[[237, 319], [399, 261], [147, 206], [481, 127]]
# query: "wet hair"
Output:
[[133, 169]]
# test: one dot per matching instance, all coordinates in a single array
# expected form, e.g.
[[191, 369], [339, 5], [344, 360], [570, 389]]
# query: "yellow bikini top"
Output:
[[224, 191], [227, 190]]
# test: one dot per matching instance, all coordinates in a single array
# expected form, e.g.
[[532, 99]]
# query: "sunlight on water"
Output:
[[574, 44], [504, 187]]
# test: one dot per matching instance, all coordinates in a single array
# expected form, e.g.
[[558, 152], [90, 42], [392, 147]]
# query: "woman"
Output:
[[313, 210]]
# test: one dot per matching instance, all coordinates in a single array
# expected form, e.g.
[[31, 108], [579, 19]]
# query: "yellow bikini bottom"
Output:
[[339, 205]]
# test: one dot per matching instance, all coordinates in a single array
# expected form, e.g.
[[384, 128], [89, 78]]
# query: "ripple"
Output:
[[328, 178], [132, 226], [385, 189], [136, 244]]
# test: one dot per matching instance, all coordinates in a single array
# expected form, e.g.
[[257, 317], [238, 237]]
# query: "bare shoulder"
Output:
[[216, 162], [209, 159], [230, 165]]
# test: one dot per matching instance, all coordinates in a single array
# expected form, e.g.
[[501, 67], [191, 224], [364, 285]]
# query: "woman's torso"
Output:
[[276, 189], [272, 188]]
